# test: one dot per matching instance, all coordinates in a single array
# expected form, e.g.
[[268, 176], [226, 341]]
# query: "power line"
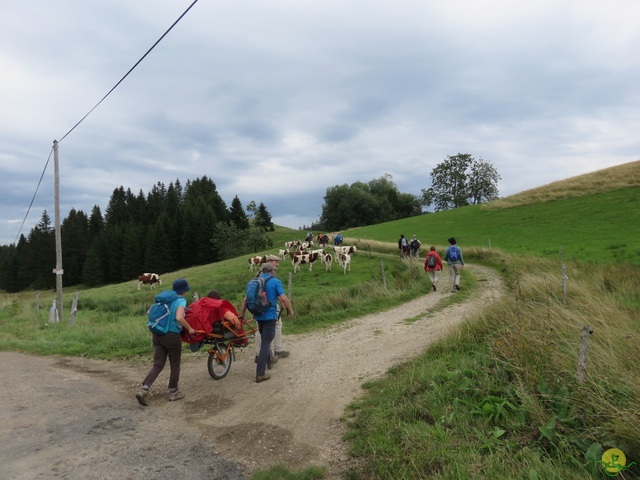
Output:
[[96, 106]]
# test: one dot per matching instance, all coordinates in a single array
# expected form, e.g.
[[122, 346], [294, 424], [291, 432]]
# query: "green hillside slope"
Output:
[[602, 227]]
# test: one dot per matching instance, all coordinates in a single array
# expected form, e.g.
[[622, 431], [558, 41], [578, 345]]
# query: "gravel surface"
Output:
[[77, 418]]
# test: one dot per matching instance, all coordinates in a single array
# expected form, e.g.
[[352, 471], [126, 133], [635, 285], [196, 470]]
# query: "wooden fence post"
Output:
[[37, 302], [384, 278], [290, 286], [564, 284], [582, 357], [74, 308]]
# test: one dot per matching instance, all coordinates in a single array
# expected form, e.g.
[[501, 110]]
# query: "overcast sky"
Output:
[[277, 100]]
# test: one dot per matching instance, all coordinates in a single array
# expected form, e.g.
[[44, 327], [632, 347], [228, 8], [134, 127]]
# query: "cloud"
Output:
[[309, 96]]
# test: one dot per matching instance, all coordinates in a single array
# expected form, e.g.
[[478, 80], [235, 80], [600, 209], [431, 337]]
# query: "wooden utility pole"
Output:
[[58, 270]]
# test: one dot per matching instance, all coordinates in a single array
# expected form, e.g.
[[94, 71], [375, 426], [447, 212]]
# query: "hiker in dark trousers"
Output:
[[169, 345], [453, 257], [267, 321]]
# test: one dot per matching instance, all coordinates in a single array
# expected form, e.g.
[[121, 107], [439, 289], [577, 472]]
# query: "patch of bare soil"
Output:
[[76, 418]]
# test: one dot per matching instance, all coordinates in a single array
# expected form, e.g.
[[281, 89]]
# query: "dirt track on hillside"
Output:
[[76, 418]]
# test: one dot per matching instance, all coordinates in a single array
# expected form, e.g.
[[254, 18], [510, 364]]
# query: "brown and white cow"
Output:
[[345, 261], [151, 279], [328, 260], [256, 262], [349, 250], [303, 259]]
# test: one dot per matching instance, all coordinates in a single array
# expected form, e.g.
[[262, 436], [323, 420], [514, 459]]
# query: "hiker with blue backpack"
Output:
[[267, 317], [453, 257], [168, 343]]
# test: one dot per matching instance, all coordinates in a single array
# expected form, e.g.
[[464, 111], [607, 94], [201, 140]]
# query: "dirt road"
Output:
[[76, 418]]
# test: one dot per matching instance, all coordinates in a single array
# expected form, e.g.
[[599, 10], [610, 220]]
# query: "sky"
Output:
[[278, 100]]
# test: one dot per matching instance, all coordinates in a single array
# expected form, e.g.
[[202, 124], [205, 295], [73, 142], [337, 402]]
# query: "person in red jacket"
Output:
[[433, 265]]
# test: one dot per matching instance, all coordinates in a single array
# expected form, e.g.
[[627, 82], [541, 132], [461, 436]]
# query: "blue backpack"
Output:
[[454, 253], [256, 297], [159, 316]]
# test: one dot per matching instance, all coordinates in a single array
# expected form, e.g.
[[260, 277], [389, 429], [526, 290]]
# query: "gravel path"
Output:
[[76, 418]]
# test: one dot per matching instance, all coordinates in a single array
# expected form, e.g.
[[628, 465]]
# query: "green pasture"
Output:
[[598, 228]]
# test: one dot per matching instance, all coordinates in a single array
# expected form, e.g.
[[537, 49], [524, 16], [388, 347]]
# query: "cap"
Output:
[[180, 286], [273, 258], [268, 267]]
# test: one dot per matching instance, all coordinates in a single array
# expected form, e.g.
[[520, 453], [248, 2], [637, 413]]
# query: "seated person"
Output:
[[212, 312]]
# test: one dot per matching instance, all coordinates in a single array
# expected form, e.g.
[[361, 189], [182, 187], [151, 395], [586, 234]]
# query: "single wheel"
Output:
[[219, 361]]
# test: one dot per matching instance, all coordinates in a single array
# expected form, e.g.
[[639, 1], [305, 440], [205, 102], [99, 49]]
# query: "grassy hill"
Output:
[[585, 218], [499, 399]]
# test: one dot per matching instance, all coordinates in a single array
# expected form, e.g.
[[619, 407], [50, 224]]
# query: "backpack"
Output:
[[159, 316], [415, 245], [257, 302], [454, 253], [432, 261]]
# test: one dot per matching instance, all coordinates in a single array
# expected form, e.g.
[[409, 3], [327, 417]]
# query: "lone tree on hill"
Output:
[[461, 180]]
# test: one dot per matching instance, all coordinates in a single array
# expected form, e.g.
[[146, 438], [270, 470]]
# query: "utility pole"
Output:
[[58, 270]]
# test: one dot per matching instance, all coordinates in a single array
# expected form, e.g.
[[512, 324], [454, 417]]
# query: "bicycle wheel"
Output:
[[219, 361]]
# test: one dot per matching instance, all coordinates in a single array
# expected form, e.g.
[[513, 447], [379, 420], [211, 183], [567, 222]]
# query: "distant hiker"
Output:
[[453, 257], [414, 247], [169, 345], [433, 265], [402, 246]]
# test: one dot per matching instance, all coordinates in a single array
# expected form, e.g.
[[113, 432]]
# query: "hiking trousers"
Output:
[[454, 275], [267, 330], [169, 345]]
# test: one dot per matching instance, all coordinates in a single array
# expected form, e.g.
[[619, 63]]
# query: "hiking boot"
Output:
[[272, 361], [458, 287], [282, 354], [434, 287], [142, 395], [256, 360], [262, 378], [175, 395]]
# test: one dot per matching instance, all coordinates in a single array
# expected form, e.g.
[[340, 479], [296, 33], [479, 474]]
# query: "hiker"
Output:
[[267, 321], [278, 351], [433, 265], [402, 246], [169, 345], [414, 247], [453, 257]]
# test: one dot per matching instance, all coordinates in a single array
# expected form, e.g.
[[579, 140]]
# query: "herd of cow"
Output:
[[298, 252], [301, 254]]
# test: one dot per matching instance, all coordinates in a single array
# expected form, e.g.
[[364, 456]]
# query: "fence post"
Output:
[[489, 244], [74, 308], [564, 284], [384, 278], [582, 357], [37, 302], [196, 297], [53, 313], [290, 286]]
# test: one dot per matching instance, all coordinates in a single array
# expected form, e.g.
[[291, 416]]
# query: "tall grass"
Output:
[[500, 398]]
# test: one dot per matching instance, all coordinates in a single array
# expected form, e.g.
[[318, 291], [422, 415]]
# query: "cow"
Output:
[[349, 250], [320, 252], [303, 259], [256, 262], [345, 261], [328, 260], [151, 279]]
